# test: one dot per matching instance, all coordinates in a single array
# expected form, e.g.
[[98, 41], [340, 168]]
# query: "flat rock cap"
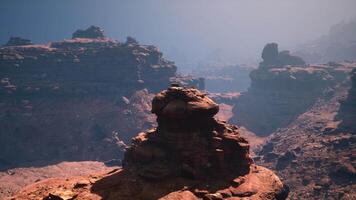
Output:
[[181, 102]]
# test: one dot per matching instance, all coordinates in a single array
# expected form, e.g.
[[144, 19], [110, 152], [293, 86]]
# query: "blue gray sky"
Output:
[[187, 31]]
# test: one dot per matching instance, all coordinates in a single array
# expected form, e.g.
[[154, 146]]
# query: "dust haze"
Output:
[[189, 32]]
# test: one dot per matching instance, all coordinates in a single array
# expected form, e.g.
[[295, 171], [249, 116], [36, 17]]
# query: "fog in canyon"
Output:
[[192, 33]]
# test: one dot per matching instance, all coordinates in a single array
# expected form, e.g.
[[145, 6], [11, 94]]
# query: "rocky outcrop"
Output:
[[188, 81], [90, 89], [315, 153], [272, 57], [83, 66], [278, 94], [190, 155], [187, 129], [17, 41], [91, 32]]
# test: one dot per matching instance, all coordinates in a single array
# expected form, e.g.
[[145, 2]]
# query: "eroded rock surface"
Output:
[[315, 154], [278, 95], [190, 155], [91, 32], [90, 89], [188, 134]]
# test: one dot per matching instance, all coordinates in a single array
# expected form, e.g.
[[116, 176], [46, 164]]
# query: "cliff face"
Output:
[[190, 155], [347, 112], [308, 113], [90, 89], [315, 153], [278, 94], [83, 66]]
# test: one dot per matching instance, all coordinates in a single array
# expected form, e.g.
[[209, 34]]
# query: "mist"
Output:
[[188, 32]]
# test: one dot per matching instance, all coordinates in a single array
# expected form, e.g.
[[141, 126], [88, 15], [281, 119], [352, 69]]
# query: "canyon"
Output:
[[306, 117], [190, 155], [85, 98], [89, 88]]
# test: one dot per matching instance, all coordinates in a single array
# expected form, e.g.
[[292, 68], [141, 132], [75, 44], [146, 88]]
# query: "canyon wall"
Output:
[[77, 99], [279, 93], [347, 111], [315, 153]]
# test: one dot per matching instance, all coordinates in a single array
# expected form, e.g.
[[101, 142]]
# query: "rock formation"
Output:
[[278, 94], [270, 53], [308, 114], [17, 41], [190, 155], [91, 32], [315, 154], [186, 129], [272, 57], [91, 89]]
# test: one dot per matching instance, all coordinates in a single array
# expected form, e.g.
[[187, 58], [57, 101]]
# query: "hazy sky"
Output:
[[185, 30]]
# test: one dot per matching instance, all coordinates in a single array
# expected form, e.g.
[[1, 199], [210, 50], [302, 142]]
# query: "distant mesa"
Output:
[[93, 32], [113, 80], [131, 40], [272, 57], [18, 41]]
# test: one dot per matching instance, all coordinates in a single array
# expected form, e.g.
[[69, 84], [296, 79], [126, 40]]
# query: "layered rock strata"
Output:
[[315, 154], [90, 89], [190, 155], [188, 134], [278, 94]]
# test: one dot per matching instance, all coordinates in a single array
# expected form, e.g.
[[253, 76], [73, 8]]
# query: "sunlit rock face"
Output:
[[189, 155], [90, 89]]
